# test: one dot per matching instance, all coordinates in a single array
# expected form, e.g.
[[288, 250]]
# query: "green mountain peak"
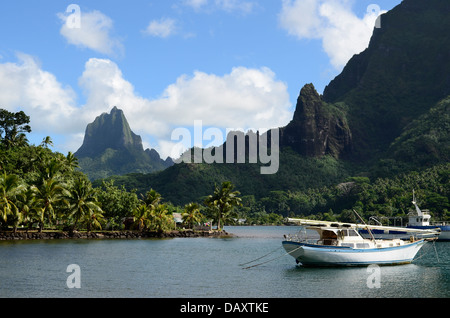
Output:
[[110, 147]]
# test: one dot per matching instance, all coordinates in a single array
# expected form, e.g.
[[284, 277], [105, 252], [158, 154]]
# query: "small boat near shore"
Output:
[[340, 244], [417, 219]]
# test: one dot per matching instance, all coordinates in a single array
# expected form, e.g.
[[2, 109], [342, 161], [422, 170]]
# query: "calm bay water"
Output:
[[205, 268]]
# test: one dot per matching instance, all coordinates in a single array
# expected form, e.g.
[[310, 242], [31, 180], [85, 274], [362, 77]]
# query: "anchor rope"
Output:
[[273, 259], [435, 251], [260, 257], [424, 253]]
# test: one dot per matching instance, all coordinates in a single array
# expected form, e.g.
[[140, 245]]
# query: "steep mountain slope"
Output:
[[386, 113], [425, 142], [111, 148], [404, 72], [318, 128]]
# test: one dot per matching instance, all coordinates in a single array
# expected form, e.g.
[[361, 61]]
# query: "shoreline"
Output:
[[108, 235]]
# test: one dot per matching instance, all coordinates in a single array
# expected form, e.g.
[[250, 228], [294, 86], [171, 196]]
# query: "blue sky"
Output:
[[227, 63]]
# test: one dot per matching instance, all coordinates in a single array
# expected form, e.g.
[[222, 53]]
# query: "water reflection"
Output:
[[424, 278], [206, 268]]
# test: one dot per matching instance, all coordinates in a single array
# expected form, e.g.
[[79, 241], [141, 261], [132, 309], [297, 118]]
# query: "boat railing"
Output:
[[375, 220], [439, 223], [300, 238]]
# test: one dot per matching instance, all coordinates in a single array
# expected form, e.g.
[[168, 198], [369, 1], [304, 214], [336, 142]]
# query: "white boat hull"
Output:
[[321, 255]]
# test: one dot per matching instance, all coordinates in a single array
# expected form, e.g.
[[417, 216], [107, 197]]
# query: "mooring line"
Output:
[[435, 251], [424, 252], [260, 257], [273, 259]]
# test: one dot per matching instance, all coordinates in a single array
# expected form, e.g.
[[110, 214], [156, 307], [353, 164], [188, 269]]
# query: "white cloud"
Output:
[[342, 32], [244, 98], [161, 28], [93, 32], [25, 86]]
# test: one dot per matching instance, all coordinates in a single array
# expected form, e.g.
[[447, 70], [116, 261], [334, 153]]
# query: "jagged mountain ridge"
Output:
[[110, 147], [318, 128], [384, 114]]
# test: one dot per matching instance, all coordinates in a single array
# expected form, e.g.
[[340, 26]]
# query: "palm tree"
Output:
[[93, 219], [16, 140], [47, 141], [48, 196], [52, 169], [10, 187], [71, 161], [191, 214], [26, 205], [160, 220], [141, 215], [222, 203], [83, 205], [151, 198]]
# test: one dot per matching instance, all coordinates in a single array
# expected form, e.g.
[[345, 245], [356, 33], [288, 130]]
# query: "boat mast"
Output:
[[419, 212], [367, 227]]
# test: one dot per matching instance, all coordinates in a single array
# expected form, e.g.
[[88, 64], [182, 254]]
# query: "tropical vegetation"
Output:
[[43, 190]]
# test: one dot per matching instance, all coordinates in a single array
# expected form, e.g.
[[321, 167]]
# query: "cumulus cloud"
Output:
[[25, 86], [162, 28], [93, 31], [245, 98], [342, 32]]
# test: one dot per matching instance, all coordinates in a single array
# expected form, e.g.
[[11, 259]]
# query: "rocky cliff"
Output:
[[385, 114], [318, 128], [403, 73], [110, 147], [109, 131]]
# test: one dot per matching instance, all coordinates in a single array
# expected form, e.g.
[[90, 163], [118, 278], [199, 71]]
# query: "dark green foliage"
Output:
[[13, 127], [185, 183], [116, 202], [380, 130], [403, 73], [426, 140], [386, 114]]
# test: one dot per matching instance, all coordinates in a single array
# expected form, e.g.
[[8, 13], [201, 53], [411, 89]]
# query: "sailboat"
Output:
[[340, 244]]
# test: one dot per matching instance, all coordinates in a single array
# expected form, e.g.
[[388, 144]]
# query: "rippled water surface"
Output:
[[206, 267]]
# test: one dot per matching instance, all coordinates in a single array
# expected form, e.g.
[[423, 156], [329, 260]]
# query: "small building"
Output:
[[178, 219]]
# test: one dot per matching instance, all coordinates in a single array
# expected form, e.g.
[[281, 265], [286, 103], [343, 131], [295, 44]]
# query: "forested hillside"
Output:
[[380, 130]]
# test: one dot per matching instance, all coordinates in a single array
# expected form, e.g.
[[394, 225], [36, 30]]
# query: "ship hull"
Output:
[[321, 255]]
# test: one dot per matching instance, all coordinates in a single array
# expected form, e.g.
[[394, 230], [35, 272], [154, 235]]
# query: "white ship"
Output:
[[340, 244], [418, 219]]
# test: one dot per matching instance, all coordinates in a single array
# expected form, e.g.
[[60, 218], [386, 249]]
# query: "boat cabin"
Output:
[[419, 217], [422, 219], [349, 237], [331, 236]]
